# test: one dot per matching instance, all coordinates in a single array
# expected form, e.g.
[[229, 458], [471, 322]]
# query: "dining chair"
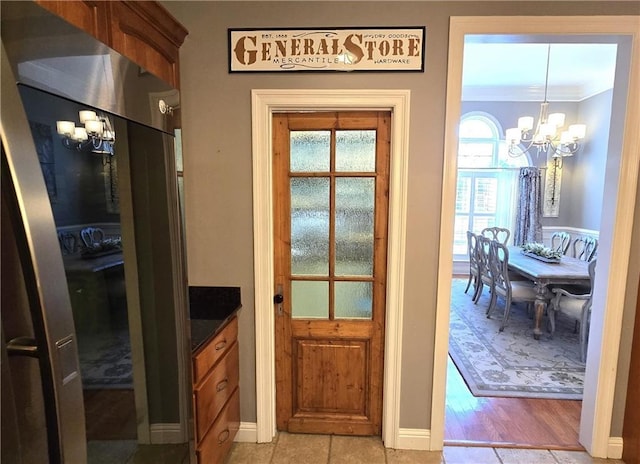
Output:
[[500, 234], [575, 305], [473, 261], [91, 235], [560, 241], [585, 247], [511, 291], [484, 272], [68, 242]]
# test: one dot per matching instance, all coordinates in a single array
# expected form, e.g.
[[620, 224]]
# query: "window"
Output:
[[487, 179]]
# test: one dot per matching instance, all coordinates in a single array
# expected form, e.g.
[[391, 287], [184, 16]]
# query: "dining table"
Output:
[[568, 271]]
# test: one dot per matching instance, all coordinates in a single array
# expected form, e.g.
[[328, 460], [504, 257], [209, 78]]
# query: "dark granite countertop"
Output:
[[210, 309]]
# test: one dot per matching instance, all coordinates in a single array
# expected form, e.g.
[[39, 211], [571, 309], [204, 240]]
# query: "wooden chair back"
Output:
[[585, 248], [500, 234], [560, 241]]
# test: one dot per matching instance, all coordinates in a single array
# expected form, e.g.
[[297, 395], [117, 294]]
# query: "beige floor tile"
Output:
[[581, 457], [414, 457], [525, 456], [355, 450], [572, 457], [301, 448], [159, 454], [251, 453], [470, 455]]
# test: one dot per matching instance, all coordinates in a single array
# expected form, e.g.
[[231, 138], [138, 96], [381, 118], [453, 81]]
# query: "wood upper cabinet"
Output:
[[144, 32], [90, 16]]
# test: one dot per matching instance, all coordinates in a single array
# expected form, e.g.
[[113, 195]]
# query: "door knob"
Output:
[[278, 299]]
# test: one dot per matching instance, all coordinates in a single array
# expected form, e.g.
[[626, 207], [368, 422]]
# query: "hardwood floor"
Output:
[[110, 414], [508, 422]]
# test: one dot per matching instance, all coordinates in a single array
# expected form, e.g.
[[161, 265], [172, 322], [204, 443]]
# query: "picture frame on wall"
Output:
[[338, 49]]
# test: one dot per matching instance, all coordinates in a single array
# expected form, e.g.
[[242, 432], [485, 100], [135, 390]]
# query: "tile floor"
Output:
[[325, 449]]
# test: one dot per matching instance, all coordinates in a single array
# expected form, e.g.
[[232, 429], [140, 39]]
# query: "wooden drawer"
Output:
[[216, 444], [205, 359], [214, 391]]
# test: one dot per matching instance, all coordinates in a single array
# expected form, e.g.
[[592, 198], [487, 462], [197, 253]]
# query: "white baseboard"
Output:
[[161, 434], [247, 433], [614, 449], [414, 439]]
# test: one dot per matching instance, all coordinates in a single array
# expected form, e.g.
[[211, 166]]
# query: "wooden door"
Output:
[[331, 185]]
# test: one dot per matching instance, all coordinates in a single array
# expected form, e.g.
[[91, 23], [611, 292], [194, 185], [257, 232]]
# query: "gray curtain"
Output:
[[529, 211]]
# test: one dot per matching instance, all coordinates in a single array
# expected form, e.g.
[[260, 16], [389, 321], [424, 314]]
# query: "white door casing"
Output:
[[264, 104]]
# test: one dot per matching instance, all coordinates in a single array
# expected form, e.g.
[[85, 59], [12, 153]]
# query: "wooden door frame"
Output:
[[617, 224], [263, 104]]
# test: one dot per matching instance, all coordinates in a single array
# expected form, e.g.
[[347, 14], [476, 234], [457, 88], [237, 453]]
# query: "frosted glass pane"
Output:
[[353, 300], [310, 226], [309, 300], [310, 151], [354, 226], [356, 151]]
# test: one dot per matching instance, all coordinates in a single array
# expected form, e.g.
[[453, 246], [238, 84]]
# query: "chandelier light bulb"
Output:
[[513, 135], [87, 115], [94, 127], [80, 134], [578, 131], [65, 128], [525, 123], [557, 119]]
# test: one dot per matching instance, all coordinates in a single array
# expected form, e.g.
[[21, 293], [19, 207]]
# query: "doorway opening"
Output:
[[515, 372], [593, 435]]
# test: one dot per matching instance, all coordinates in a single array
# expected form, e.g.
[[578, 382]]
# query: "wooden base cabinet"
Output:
[[216, 395]]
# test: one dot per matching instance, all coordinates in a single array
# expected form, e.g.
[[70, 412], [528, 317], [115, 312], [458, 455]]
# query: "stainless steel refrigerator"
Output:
[[45, 60]]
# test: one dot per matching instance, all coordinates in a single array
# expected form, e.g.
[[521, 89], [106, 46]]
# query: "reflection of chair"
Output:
[[68, 242], [91, 235], [484, 273], [512, 291], [473, 261], [497, 233], [560, 242], [577, 306], [585, 248]]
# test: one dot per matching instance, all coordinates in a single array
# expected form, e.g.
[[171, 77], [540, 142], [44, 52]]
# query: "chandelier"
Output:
[[547, 137], [95, 136]]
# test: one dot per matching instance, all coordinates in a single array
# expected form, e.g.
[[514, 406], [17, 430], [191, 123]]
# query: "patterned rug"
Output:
[[512, 363], [105, 360]]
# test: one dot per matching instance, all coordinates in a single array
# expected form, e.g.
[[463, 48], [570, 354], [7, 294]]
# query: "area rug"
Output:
[[512, 363], [105, 360]]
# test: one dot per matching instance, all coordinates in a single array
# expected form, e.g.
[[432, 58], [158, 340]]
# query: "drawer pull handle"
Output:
[[221, 345], [222, 385], [224, 436]]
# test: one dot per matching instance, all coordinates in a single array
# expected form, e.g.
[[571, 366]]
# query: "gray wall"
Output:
[[216, 112]]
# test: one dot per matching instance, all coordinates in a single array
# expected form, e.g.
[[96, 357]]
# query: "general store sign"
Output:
[[337, 49]]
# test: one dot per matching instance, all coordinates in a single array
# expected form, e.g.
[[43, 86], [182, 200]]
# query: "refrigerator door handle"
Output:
[[23, 346]]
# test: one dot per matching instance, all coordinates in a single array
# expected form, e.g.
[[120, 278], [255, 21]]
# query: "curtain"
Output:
[[529, 212], [508, 199]]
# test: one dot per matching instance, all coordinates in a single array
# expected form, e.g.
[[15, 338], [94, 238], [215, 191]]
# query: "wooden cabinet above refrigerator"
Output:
[[144, 32]]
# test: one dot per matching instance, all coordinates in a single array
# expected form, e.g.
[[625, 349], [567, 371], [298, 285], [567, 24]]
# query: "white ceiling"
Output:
[[516, 71]]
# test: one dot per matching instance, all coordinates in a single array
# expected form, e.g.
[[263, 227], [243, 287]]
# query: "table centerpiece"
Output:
[[105, 247], [541, 253]]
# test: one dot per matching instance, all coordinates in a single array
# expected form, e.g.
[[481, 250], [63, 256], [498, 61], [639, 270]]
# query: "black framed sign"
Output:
[[327, 49]]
